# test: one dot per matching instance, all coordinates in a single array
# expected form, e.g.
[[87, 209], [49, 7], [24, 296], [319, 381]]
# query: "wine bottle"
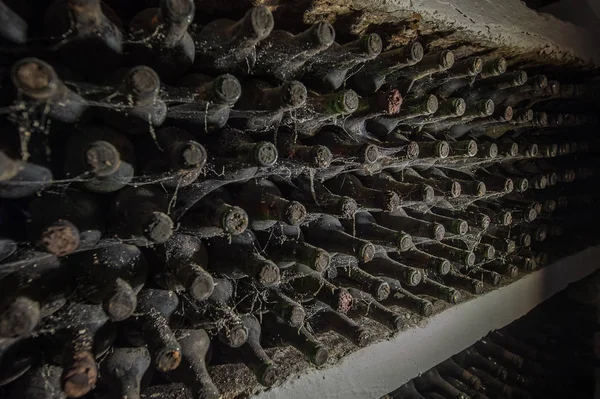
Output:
[[265, 206], [413, 190], [429, 65], [454, 255], [497, 214], [406, 299], [437, 290], [438, 149], [328, 233], [225, 45], [346, 149], [477, 126], [254, 354], [494, 182], [285, 248], [161, 40], [449, 368], [400, 221], [489, 348], [523, 261], [202, 103], [390, 266], [286, 308], [85, 27], [386, 102], [316, 198], [46, 92], [365, 226], [327, 318], [282, 55], [237, 145], [195, 345], [330, 69], [185, 262], [473, 217], [451, 224], [447, 109], [348, 274], [485, 275], [419, 259], [373, 75], [443, 185], [300, 338], [492, 385], [383, 125], [500, 244], [481, 251], [432, 381], [461, 386], [465, 68], [462, 281], [122, 370], [113, 277], [470, 357], [103, 156], [307, 282], [261, 106], [494, 67], [483, 87], [479, 109], [501, 267], [315, 156], [150, 325], [139, 213], [368, 198], [367, 306], [13, 27], [137, 105], [321, 110], [237, 256]]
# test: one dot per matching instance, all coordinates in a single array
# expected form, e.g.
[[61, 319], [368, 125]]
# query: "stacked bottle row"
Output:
[[175, 193], [536, 357]]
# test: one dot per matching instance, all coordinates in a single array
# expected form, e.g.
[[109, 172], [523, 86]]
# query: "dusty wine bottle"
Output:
[[254, 354], [406, 299], [85, 27], [465, 68], [104, 155], [487, 276], [414, 190], [193, 367], [265, 206], [435, 179], [448, 109], [369, 198], [341, 324], [451, 224], [46, 92], [282, 55], [412, 109], [365, 226], [315, 156], [261, 106], [386, 102], [306, 281], [350, 275], [437, 290], [489, 348], [400, 221], [328, 233], [329, 70], [454, 255], [462, 281], [139, 213], [346, 149], [161, 40], [450, 368], [225, 45], [474, 218], [432, 381], [430, 64], [235, 144], [471, 358], [367, 306], [384, 265], [123, 369], [318, 199], [419, 259], [501, 267]]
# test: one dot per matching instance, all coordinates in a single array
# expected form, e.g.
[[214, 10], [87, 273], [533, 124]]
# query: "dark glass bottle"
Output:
[[477, 126], [373, 75], [184, 261], [406, 299], [479, 109], [150, 325], [369, 198], [136, 106], [321, 110], [12, 27], [437, 290], [430, 64], [471, 358], [422, 260], [385, 102], [202, 104], [400, 221], [384, 265], [441, 183], [307, 282], [123, 369], [300, 338], [314, 156], [139, 213], [261, 107], [341, 324], [344, 148], [46, 92], [350, 275], [411, 109], [237, 145], [489, 348], [282, 55], [493, 386], [501, 267], [451, 224], [237, 256], [367, 306], [365, 226], [500, 244], [160, 38], [487, 276], [465, 68], [225, 45], [85, 27], [254, 354], [446, 183], [481, 251], [113, 277], [413, 190], [328, 233], [432, 381], [494, 67], [265, 206], [193, 371], [316, 198], [436, 149], [449, 109], [462, 281], [102, 156], [329, 70], [450, 368], [455, 255], [286, 247], [214, 215]]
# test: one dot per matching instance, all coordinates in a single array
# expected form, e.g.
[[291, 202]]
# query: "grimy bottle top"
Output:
[[493, 67]]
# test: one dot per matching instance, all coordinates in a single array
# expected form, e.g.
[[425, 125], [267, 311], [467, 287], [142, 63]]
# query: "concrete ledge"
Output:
[[382, 367]]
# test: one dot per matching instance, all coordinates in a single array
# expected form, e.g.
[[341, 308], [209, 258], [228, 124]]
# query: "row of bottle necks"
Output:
[[316, 276], [535, 357]]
